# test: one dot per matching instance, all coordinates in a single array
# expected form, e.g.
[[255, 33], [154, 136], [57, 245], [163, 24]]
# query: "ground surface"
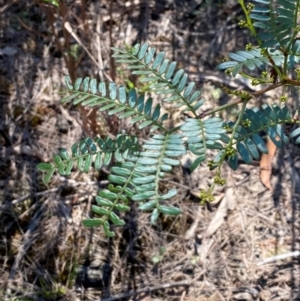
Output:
[[45, 253]]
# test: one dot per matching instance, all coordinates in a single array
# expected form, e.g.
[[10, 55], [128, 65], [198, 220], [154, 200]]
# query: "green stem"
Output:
[[261, 80], [248, 19], [245, 101], [292, 40], [224, 107]]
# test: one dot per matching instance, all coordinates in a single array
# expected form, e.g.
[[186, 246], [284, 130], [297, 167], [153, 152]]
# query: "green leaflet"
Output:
[[145, 187], [44, 166], [252, 149], [169, 210], [103, 202], [148, 205], [93, 222], [197, 162], [158, 60], [171, 193], [273, 136], [107, 231], [117, 179], [144, 180], [154, 216], [295, 133], [233, 162], [116, 220], [100, 210], [107, 194], [244, 152], [122, 207], [48, 176], [143, 196]]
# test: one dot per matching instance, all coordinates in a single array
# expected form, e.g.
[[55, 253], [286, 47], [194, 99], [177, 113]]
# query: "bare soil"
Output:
[[210, 252]]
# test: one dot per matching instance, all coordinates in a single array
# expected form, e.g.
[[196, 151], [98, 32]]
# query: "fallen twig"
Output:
[[148, 289], [279, 257]]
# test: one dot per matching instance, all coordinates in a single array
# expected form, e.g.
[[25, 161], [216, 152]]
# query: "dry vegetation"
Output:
[[214, 252]]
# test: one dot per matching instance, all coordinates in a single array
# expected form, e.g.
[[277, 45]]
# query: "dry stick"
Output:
[[155, 288], [69, 182], [219, 34], [279, 257], [6, 6], [30, 29], [98, 30], [27, 242], [28, 195], [148, 289], [74, 35], [112, 61]]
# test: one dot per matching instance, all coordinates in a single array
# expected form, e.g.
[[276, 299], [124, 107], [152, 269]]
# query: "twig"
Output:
[[6, 6], [112, 61], [272, 87], [148, 289], [69, 182], [30, 29], [28, 239], [241, 100], [98, 39], [219, 34], [279, 257], [74, 35], [28, 195]]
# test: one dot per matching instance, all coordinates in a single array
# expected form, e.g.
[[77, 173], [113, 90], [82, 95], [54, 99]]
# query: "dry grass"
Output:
[[45, 253]]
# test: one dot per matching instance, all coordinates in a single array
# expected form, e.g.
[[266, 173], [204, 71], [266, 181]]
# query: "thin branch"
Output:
[[147, 290], [221, 108], [68, 182], [272, 87], [254, 94], [279, 257], [74, 35]]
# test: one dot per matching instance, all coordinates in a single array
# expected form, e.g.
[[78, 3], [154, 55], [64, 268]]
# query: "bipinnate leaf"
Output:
[[136, 166]]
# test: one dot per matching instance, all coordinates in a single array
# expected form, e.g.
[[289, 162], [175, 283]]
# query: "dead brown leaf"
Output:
[[226, 204], [266, 164], [216, 297]]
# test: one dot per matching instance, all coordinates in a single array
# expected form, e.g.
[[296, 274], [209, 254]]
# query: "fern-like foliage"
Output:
[[160, 73], [116, 101], [137, 167], [203, 135], [258, 58], [277, 21], [274, 25], [251, 59], [98, 152], [246, 137]]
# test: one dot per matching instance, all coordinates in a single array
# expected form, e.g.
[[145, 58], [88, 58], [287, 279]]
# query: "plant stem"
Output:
[[224, 107], [248, 19]]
